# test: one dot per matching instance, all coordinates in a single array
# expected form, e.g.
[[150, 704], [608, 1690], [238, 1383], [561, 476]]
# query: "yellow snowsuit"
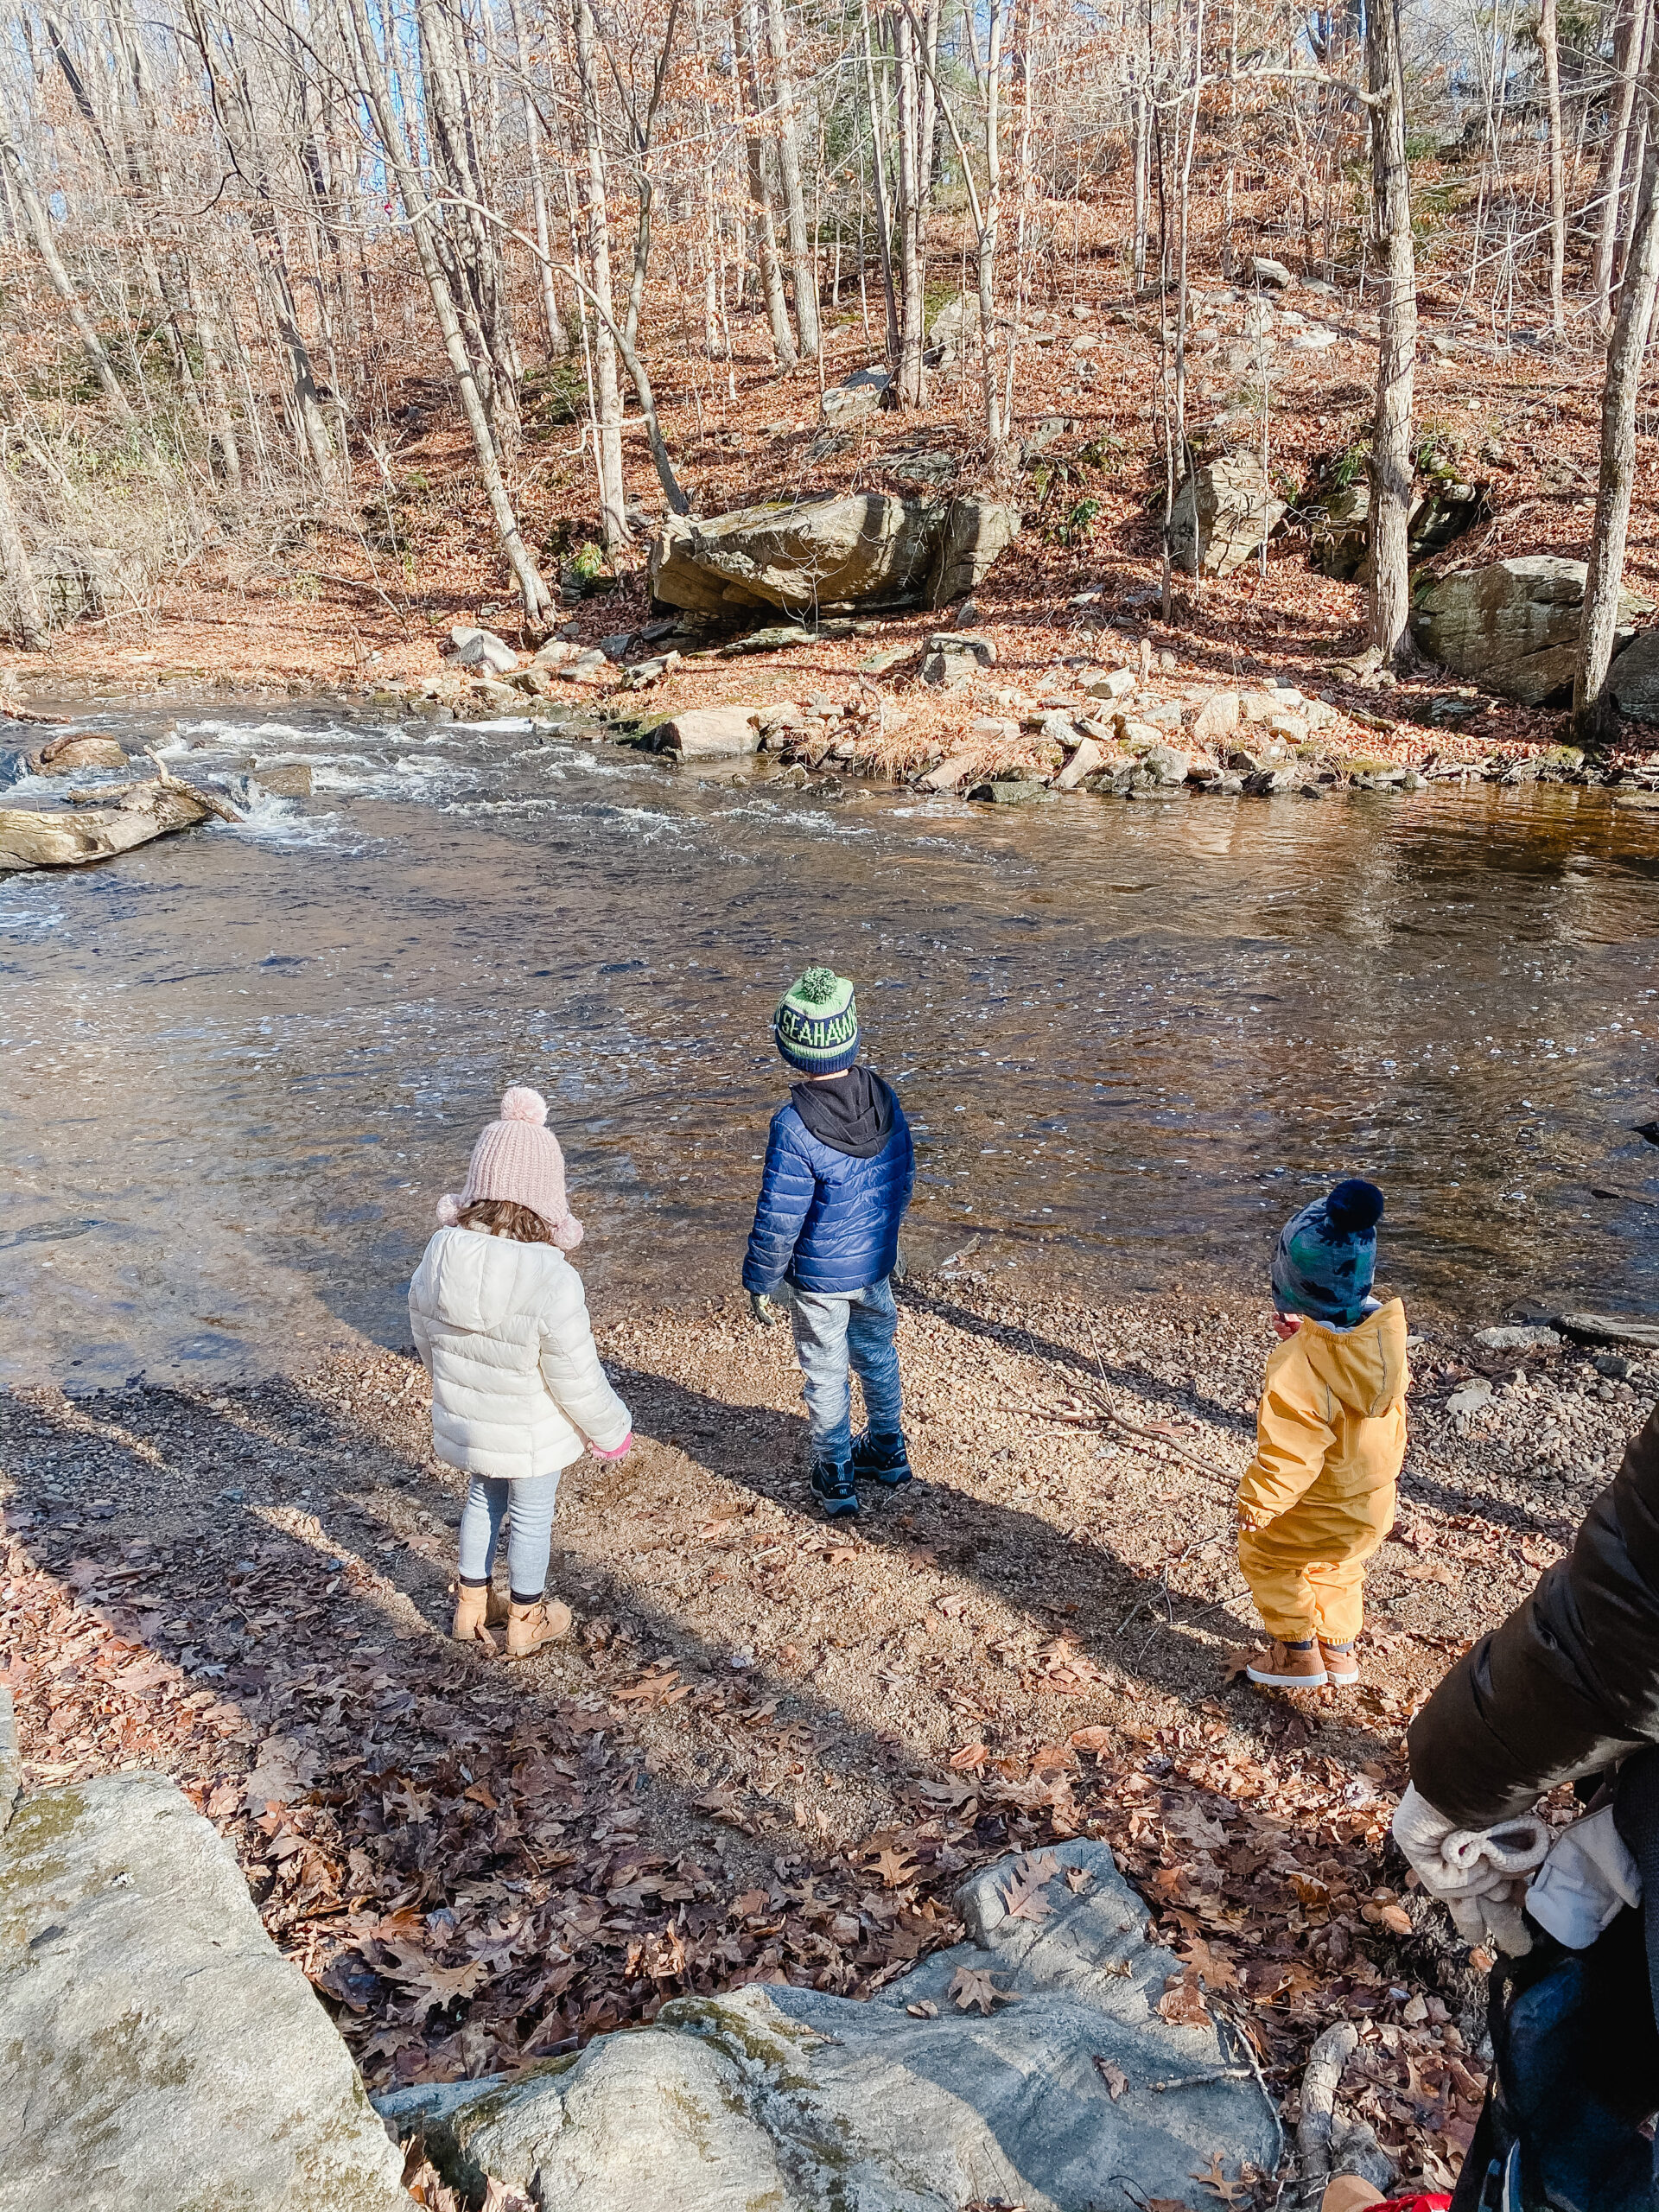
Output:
[[1318, 1497]]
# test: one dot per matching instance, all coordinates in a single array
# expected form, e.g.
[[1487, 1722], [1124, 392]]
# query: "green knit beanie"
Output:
[[816, 1023]]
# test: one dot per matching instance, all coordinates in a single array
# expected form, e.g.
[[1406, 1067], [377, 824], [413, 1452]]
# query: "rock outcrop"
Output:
[[157, 2048], [710, 733], [1512, 626], [1634, 679], [869, 549], [1226, 510], [976, 530], [1339, 527], [862, 393], [1026, 2066]]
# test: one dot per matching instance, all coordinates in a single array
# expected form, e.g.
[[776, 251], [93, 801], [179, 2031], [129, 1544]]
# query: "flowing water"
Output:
[[238, 1067]]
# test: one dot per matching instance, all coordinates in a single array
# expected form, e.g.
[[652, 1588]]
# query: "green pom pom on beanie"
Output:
[[816, 1023]]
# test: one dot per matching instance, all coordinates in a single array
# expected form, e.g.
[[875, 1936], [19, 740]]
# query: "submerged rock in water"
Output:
[[1025, 2065], [75, 750], [159, 2051]]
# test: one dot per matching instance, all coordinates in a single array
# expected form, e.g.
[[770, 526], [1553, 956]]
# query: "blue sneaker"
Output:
[[882, 1457], [832, 1485]]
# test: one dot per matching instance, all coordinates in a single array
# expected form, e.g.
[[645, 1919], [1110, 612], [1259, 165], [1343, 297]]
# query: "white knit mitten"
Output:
[[1478, 1874]]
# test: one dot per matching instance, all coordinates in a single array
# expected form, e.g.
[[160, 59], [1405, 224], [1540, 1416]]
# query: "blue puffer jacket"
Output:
[[825, 1221]]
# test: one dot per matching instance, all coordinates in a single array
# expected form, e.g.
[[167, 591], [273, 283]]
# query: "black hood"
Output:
[[853, 1114]]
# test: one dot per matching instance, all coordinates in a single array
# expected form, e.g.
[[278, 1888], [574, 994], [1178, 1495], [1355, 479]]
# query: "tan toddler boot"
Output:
[[1289, 1667], [530, 1628], [1340, 1665], [476, 1607], [1350, 2193]]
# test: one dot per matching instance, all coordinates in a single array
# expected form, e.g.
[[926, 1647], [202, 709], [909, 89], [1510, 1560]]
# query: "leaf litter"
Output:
[[781, 1774]]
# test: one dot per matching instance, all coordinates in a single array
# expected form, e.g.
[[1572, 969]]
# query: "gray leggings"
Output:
[[526, 1505]]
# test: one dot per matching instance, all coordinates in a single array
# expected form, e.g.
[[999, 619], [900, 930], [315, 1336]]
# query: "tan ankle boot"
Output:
[[529, 1628], [476, 1608]]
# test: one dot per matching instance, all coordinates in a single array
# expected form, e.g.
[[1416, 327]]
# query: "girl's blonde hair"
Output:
[[506, 1217]]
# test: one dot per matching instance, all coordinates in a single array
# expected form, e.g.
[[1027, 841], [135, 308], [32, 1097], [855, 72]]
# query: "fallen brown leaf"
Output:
[[1115, 2079], [973, 1990]]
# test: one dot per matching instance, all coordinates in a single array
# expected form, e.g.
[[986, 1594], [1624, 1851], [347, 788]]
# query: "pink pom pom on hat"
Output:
[[518, 1158]]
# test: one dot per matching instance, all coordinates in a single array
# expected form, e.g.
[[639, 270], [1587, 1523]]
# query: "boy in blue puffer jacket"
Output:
[[839, 1170]]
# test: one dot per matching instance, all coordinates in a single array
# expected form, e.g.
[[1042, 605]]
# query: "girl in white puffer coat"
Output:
[[517, 1392]]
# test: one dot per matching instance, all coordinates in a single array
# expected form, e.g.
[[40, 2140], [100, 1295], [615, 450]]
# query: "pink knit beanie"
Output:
[[518, 1158]]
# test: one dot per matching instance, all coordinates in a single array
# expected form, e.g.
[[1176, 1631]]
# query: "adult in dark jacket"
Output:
[[1565, 1690], [840, 1168]]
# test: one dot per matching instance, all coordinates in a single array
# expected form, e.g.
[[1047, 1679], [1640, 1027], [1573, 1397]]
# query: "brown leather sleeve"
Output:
[[1570, 1681]]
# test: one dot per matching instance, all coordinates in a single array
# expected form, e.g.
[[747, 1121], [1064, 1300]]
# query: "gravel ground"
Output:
[[773, 1744]]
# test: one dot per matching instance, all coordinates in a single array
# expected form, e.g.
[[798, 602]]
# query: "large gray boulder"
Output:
[[156, 2047], [823, 553], [1060, 2077], [1512, 626], [869, 548], [1227, 510]]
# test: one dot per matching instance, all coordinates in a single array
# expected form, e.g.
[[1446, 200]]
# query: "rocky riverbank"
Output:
[[773, 1749]]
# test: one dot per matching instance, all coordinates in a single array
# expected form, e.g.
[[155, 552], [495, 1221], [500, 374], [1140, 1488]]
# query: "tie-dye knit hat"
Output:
[[816, 1023], [518, 1158], [1326, 1256]]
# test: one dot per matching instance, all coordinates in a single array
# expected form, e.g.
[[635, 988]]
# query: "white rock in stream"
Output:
[[799, 2101]]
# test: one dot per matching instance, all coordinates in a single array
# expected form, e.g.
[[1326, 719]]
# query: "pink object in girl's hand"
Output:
[[620, 1453]]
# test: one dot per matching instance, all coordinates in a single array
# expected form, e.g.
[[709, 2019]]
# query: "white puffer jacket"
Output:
[[502, 1329]]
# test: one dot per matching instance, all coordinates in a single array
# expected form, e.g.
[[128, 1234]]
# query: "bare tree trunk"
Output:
[[558, 341], [63, 284], [996, 431], [912, 305], [746, 27], [372, 76], [1138, 165], [213, 371], [1628, 61], [28, 616], [613, 522], [1592, 714], [1549, 46], [802, 247], [1391, 470], [880, 170]]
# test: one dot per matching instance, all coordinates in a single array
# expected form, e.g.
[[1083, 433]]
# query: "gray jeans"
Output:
[[832, 1333], [526, 1505]]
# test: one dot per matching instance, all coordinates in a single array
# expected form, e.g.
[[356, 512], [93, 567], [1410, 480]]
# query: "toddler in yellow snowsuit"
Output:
[[1318, 1497]]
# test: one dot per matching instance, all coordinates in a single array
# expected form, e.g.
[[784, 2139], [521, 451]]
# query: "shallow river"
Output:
[[237, 1067]]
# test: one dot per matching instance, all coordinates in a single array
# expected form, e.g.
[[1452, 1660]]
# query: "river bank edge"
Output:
[[900, 705]]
